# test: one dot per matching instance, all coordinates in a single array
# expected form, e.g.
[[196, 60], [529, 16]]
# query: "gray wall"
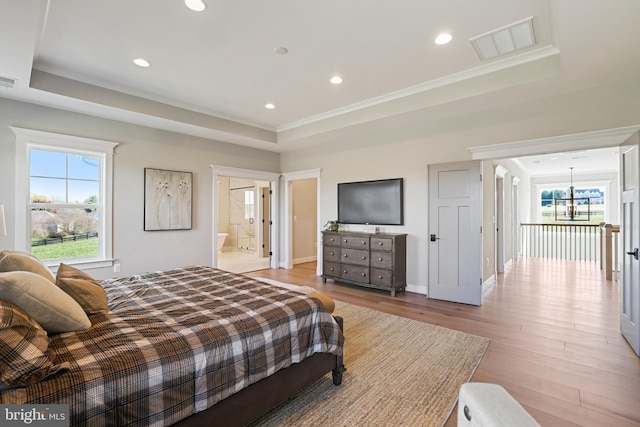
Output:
[[369, 152], [136, 250]]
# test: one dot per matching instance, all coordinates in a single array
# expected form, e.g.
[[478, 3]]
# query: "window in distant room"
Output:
[[589, 201], [65, 212]]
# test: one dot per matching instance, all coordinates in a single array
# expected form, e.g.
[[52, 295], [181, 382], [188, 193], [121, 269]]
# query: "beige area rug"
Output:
[[400, 372]]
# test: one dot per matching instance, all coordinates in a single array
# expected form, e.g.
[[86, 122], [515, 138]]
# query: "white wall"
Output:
[[136, 250], [407, 159], [367, 153]]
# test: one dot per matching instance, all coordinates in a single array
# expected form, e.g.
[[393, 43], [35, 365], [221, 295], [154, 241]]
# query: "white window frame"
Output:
[[27, 139]]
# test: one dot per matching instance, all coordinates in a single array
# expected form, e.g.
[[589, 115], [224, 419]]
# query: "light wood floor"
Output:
[[554, 331]]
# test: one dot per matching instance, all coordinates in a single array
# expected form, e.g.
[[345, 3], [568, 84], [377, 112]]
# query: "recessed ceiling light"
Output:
[[269, 106], [140, 62], [195, 5], [281, 50], [443, 38], [336, 80]]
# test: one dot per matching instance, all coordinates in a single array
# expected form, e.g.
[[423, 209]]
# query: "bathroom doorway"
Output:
[[243, 220]]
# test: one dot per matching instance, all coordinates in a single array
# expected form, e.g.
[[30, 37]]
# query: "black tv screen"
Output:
[[371, 202]]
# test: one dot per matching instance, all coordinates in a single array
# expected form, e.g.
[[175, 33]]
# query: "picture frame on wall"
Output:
[[167, 199]]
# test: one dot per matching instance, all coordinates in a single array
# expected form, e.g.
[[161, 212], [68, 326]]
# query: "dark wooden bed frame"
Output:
[[256, 400]]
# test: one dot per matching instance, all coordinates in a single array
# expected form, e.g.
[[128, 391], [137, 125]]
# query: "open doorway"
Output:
[[301, 234], [244, 209]]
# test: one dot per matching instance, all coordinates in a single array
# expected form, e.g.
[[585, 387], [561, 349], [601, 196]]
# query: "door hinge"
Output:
[[480, 177], [480, 229]]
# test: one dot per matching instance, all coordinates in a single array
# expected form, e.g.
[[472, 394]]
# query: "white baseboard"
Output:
[[303, 260], [488, 283], [508, 265], [417, 289]]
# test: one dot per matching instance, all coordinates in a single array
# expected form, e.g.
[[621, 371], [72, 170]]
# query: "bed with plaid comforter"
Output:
[[177, 342]]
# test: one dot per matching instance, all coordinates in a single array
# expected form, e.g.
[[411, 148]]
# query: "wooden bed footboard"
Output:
[[256, 400]]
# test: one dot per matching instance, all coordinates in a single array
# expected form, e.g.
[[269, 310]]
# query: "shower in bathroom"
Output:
[[241, 210], [242, 217]]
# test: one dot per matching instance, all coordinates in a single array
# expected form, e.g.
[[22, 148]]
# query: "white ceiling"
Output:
[[583, 162], [212, 72]]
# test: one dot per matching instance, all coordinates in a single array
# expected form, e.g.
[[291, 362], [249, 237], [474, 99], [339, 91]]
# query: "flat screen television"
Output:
[[371, 202]]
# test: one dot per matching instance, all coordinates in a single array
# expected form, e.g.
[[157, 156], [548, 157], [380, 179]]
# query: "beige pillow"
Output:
[[47, 304], [5, 252], [83, 288], [24, 348], [326, 300], [20, 261]]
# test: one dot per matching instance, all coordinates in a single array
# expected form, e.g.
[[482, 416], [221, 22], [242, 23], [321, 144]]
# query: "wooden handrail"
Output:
[[550, 224], [610, 250]]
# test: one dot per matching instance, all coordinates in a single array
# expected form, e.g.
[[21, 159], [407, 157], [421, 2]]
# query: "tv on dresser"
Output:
[[371, 202]]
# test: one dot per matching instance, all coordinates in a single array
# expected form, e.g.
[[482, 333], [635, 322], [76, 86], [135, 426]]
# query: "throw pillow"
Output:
[[24, 348], [21, 261], [83, 288], [47, 304]]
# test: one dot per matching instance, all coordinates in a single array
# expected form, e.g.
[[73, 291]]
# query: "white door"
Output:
[[455, 221], [266, 221], [500, 224], [630, 233]]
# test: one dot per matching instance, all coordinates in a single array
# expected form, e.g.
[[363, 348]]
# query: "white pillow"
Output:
[[46, 303]]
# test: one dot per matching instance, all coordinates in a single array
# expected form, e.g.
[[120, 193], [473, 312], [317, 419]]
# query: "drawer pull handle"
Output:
[[345, 272], [346, 241], [331, 269], [364, 242], [379, 259], [363, 274], [333, 240], [332, 253], [379, 277], [380, 243], [345, 255], [364, 257]]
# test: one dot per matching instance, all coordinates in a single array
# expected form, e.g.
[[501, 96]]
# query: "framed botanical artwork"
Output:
[[167, 199]]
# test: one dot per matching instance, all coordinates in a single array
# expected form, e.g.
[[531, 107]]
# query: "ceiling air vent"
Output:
[[505, 40], [7, 82]]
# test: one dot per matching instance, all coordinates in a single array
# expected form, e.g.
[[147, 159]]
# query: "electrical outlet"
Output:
[[116, 268]]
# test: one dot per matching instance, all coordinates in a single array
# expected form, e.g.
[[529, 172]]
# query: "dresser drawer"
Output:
[[381, 260], [331, 269], [355, 242], [382, 277], [355, 273], [331, 240], [355, 256], [381, 244], [331, 254]]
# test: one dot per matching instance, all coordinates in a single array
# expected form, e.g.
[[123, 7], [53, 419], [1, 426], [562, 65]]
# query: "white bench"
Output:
[[490, 405]]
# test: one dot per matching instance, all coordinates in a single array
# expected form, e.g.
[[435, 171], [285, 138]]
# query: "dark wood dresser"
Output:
[[371, 260]]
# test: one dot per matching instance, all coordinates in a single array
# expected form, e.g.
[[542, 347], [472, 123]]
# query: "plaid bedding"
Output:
[[175, 343]]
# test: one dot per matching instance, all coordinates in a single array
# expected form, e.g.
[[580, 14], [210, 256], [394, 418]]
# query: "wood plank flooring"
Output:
[[554, 331]]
